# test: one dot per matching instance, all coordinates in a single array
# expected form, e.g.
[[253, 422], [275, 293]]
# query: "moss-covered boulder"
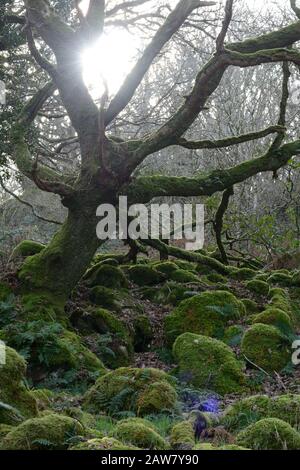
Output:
[[27, 248], [104, 297], [143, 333], [50, 432], [107, 276], [39, 306], [184, 277], [106, 443], [139, 434], [266, 347], [157, 398], [242, 273], [171, 293], [276, 317], [233, 335], [182, 436], [269, 434], [258, 287], [281, 278], [124, 389], [4, 430], [16, 402], [208, 363], [250, 306], [144, 275], [5, 292], [167, 268], [115, 345], [249, 410], [206, 314], [50, 346]]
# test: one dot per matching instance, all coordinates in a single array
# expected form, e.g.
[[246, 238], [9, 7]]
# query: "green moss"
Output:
[[108, 276], [242, 274], [233, 335], [27, 248], [258, 287], [42, 307], [167, 267], [143, 333], [5, 292], [104, 297], [4, 430], [183, 436], [139, 434], [17, 401], [118, 337], [43, 398], [158, 397], [107, 443], [170, 293], [208, 363], [120, 390], [50, 432], [183, 277], [51, 347], [296, 279], [281, 279], [144, 275], [266, 347], [216, 278], [276, 317], [232, 447], [244, 412], [250, 306], [269, 434], [207, 314]]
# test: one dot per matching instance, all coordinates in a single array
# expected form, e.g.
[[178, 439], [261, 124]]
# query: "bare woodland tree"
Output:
[[106, 162]]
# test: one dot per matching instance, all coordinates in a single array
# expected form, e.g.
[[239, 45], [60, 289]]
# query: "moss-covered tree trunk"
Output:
[[59, 267]]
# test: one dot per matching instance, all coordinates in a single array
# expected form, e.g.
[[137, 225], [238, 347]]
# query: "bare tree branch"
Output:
[[163, 35], [226, 24], [295, 8], [230, 141]]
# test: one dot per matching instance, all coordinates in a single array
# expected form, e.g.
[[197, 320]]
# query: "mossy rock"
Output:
[[170, 293], [184, 277], [37, 306], [247, 411], [182, 436], [43, 398], [242, 274], [208, 363], [5, 292], [167, 268], [144, 275], [296, 279], [216, 278], [27, 248], [51, 347], [252, 409], [143, 333], [258, 287], [16, 402], [121, 390], [250, 306], [118, 338], [106, 443], [4, 430], [104, 297], [158, 397], [207, 314], [50, 432], [269, 434], [275, 317], [281, 279], [139, 435], [233, 335], [266, 347], [107, 276]]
